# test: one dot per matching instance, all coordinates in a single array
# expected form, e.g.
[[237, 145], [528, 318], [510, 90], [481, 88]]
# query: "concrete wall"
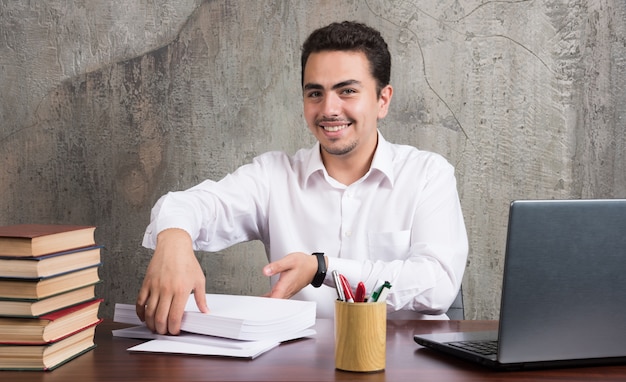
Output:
[[104, 107]]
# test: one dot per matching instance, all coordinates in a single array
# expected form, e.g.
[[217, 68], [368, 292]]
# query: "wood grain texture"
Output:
[[306, 360], [360, 336]]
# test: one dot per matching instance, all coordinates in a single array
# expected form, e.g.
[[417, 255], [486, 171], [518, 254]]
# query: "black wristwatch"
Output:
[[320, 275]]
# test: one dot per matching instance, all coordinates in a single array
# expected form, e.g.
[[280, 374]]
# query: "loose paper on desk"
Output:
[[199, 344], [238, 317]]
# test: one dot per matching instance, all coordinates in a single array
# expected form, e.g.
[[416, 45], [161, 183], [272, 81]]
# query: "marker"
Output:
[[383, 294], [359, 296], [338, 286], [346, 289], [377, 293]]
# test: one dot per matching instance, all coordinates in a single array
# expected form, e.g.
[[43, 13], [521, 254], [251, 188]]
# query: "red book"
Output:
[[47, 356], [31, 240], [51, 327]]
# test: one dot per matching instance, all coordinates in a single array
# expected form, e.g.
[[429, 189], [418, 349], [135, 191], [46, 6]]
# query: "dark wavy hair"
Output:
[[352, 36]]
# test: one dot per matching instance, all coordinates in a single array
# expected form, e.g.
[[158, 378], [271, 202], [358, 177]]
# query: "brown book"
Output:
[[35, 289], [51, 327], [30, 240], [36, 308], [49, 356], [50, 265]]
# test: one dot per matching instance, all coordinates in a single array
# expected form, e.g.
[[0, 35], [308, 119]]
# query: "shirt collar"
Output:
[[383, 159], [382, 162], [314, 163]]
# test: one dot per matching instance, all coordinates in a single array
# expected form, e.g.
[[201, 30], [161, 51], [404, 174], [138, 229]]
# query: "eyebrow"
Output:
[[334, 87]]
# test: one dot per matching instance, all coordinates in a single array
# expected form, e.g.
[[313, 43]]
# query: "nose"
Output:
[[331, 107]]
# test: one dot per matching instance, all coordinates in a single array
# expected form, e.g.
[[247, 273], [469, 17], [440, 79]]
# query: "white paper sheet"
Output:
[[198, 344]]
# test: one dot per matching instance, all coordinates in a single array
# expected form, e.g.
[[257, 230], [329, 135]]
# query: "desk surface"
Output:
[[303, 360]]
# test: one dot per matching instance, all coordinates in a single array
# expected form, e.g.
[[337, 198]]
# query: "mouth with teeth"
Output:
[[335, 128]]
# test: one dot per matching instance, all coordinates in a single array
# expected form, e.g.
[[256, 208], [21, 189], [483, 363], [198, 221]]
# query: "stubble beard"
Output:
[[343, 150]]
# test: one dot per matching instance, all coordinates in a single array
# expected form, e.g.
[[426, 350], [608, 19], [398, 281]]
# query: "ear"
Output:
[[384, 100]]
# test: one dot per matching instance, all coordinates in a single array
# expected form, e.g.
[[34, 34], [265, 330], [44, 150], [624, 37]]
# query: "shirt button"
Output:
[[348, 233]]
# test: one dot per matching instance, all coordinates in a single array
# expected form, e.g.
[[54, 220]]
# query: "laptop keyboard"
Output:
[[480, 347]]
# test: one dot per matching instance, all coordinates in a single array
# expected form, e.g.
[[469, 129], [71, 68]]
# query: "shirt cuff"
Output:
[[165, 216], [351, 269]]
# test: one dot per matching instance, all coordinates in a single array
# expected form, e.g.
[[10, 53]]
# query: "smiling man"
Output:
[[355, 203], [342, 106]]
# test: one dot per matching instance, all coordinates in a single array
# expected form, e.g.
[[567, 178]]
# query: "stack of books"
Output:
[[48, 306]]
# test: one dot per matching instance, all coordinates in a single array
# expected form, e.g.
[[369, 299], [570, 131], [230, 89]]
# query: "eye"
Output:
[[348, 91], [314, 94]]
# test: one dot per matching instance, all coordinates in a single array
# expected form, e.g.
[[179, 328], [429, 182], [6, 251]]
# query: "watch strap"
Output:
[[320, 275]]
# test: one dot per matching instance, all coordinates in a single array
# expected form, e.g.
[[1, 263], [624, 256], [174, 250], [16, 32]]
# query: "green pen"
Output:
[[377, 292], [383, 293]]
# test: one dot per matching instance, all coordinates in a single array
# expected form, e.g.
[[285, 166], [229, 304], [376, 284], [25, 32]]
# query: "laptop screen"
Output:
[[564, 281]]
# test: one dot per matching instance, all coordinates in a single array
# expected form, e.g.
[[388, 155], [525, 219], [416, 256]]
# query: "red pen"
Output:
[[346, 289], [359, 296]]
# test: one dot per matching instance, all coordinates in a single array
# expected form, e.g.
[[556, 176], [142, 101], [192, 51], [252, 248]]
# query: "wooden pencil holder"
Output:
[[360, 336]]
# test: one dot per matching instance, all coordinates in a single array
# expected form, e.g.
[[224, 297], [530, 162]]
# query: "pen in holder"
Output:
[[360, 336]]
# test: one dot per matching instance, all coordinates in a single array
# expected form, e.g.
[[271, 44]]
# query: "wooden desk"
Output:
[[303, 360]]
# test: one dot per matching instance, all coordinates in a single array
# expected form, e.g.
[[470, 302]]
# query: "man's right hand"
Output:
[[173, 273]]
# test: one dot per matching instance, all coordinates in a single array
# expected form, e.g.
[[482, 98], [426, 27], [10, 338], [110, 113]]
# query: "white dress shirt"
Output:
[[401, 222]]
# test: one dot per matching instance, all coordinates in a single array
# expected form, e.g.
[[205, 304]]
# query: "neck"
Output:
[[348, 168]]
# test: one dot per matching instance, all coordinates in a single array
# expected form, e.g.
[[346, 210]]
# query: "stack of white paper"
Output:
[[248, 326]]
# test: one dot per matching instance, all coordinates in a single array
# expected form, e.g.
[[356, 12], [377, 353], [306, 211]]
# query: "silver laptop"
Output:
[[563, 292]]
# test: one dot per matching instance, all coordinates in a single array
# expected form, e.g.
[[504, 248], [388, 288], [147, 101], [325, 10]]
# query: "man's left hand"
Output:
[[296, 271]]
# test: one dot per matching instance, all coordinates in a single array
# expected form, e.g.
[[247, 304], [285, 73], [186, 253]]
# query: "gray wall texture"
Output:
[[105, 106]]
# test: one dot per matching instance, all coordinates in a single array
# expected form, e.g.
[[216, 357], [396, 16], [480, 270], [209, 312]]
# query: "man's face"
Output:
[[341, 106]]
